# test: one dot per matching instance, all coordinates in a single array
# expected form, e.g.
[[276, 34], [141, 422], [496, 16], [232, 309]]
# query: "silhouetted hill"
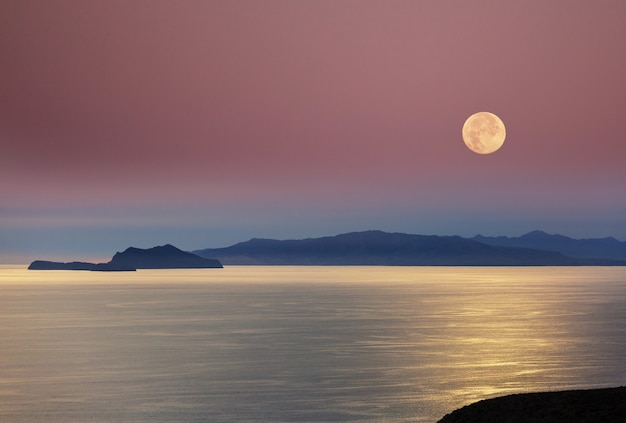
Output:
[[163, 257], [609, 248], [593, 405], [391, 249]]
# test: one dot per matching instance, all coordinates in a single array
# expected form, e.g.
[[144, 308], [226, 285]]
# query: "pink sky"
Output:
[[204, 123]]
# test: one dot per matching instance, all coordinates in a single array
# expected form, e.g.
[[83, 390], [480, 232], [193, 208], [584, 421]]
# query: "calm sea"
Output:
[[301, 344]]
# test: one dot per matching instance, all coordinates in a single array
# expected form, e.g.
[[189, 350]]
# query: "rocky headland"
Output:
[[161, 257]]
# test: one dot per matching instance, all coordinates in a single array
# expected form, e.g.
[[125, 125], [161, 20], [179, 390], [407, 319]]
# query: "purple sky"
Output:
[[204, 123]]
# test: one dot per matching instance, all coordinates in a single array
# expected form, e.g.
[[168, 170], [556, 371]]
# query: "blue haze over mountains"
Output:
[[381, 248], [583, 248], [372, 248]]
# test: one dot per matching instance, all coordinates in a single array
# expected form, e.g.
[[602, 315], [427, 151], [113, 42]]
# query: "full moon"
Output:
[[483, 133]]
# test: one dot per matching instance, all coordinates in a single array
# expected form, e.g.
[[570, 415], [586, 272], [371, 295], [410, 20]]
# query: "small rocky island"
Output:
[[161, 257]]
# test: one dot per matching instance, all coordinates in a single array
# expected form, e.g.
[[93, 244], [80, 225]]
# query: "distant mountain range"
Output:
[[609, 247], [372, 248], [398, 249], [162, 257]]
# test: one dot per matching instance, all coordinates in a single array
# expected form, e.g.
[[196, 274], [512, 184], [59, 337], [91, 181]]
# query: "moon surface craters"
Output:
[[484, 132]]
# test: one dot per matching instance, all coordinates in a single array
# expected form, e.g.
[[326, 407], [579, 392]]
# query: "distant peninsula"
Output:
[[378, 248], [161, 257]]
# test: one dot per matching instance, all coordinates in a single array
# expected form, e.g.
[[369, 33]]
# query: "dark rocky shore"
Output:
[[589, 406]]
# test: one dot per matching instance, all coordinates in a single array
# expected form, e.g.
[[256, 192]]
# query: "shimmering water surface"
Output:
[[301, 344]]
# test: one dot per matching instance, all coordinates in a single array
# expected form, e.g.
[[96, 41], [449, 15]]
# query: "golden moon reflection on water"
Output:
[[483, 133]]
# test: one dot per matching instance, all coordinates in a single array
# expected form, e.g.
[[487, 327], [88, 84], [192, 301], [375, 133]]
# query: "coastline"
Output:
[[606, 405]]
